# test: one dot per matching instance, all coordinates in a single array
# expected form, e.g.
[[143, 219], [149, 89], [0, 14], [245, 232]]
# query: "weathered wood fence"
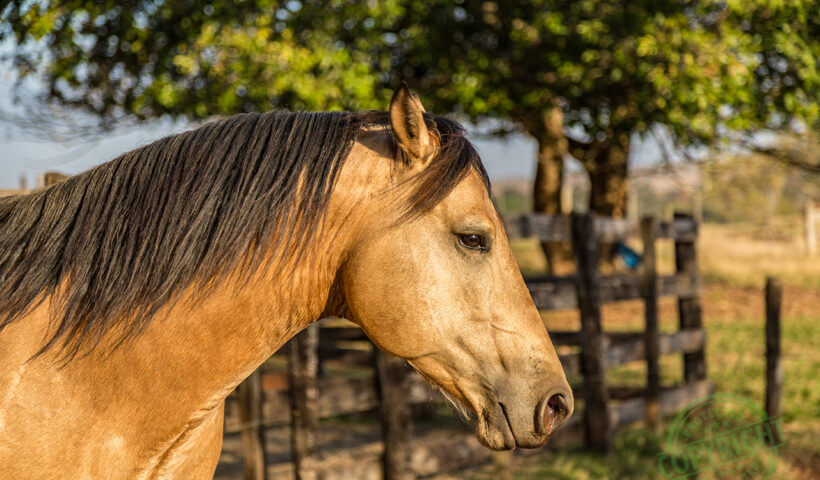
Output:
[[774, 364], [395, 387], [607, 407]]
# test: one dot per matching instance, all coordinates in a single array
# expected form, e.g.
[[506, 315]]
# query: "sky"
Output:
[[23, 153], [31, 157]]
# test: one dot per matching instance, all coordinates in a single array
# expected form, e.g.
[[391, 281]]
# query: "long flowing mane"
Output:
[[116, 244]]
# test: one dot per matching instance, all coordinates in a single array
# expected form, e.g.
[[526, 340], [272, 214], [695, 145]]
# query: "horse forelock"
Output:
[[118, 243]]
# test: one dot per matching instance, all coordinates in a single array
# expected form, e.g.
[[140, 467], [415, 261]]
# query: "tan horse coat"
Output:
[[153, 408]]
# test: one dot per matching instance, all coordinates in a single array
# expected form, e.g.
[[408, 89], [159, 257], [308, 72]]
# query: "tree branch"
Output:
[[804, 155]]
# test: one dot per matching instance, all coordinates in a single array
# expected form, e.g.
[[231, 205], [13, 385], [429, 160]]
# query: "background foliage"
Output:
[[605, 70]]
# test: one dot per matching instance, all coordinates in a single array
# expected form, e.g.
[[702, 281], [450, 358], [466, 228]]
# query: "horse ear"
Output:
[[407, 121]]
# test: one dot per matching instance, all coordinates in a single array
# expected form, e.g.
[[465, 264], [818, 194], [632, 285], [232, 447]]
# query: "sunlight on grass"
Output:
[[737, 255], [529, 255], [737, 361], [734, 262]]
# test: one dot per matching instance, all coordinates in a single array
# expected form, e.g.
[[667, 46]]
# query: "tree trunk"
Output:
[[609, 184], [609, 188], [552, 145]]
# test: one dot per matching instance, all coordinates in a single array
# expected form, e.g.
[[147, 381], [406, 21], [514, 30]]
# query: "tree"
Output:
[[195, 59], [604, 70], [704, 70]]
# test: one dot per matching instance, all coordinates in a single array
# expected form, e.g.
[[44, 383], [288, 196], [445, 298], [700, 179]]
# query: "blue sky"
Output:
[[23, 153], [30, 156]]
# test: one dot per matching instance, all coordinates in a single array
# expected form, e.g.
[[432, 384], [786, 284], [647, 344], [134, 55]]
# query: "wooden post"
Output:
[[593, 348], [689, 307], [304, 401], [774, 367], [250, 414], [649, 228], [397, 421]]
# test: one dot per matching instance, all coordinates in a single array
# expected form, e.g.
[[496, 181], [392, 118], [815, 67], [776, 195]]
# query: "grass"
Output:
[[739, 255], [734, 261], [736, 363], [636, 458]]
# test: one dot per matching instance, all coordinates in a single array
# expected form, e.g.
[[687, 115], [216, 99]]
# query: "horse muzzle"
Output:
[[504, 426]]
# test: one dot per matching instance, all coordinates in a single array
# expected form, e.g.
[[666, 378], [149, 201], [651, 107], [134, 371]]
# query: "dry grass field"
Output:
[[734, 261], [741, 255]]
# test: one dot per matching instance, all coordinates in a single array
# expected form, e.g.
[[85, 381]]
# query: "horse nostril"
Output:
[[557, 412], [558, 404]]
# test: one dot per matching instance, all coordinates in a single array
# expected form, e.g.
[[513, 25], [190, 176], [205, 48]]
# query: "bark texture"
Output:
[[548, 130], [606, 163], [609, 184]]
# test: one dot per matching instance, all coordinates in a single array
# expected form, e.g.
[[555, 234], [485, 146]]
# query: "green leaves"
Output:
[[188, 59], [701, 68]]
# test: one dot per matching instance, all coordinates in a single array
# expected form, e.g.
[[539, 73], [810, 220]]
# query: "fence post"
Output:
[[689, 308], [397, 420], [250, 416], [593, 346], [649, 228], [774, 367], [304, 401]]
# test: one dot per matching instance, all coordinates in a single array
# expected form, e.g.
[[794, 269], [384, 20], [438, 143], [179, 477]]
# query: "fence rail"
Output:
[[560, 293], [549, 228]]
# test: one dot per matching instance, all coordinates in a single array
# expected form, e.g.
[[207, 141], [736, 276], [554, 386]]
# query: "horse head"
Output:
[[439, 286]]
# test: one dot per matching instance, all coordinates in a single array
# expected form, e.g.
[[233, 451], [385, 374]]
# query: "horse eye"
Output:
[[471, 241]]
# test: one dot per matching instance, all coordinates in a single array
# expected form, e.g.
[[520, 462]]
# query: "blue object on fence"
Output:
[[629, 256]]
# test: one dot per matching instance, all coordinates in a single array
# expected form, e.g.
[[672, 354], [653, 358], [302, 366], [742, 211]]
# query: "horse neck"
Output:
[[204, 346], [190, 357], [218, 341]]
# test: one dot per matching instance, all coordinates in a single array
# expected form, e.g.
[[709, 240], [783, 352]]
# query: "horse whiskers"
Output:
[[463, 412]]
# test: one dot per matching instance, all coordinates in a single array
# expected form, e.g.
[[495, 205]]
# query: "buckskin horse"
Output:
[[136, 296]]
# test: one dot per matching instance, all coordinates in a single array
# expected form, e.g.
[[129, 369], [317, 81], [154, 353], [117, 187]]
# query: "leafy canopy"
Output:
[[705, 69], [702, 68]]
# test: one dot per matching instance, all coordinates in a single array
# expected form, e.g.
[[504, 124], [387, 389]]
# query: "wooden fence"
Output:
[[774, 365], [305, 395], [394, 387], [587, 291]]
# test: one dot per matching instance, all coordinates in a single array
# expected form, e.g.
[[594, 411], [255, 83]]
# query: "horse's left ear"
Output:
[[407, 122]]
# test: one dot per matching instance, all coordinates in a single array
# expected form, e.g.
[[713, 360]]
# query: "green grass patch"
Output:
[[736, 359], [736, 364]]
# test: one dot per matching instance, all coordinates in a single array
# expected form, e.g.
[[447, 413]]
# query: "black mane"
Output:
[[118, 242]]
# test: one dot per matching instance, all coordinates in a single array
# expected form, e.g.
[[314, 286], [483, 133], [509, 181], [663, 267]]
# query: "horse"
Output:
[[136, 296]]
